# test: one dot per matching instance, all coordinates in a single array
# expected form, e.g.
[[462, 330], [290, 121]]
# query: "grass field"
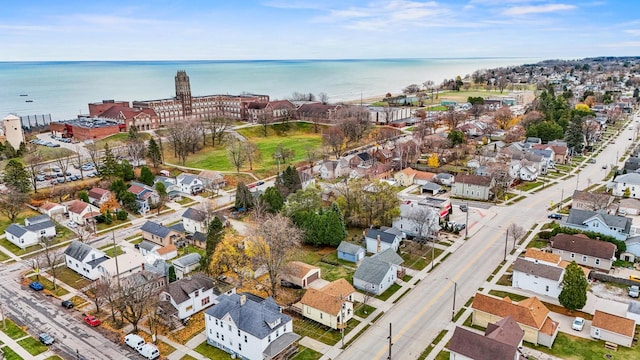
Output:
[[71, 278], [118, 139], [306, 354], [573, 348], [33, 346], [13, 330]]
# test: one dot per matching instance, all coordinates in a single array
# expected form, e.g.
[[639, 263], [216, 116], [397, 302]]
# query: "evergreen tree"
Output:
[[146, 176], [109, 166], [22, 150], [288, 182], [17, 176], [84, 196], [574, 288], [126, 171], [9, 151], [244, 197], [172, 274], [273, 199], [336, 229], [129, 202], [574, 134], [153, 152], [133, 132], [118, 188], [215, 232]]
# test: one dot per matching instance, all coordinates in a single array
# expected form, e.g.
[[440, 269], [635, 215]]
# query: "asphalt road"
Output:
[[427, 309]]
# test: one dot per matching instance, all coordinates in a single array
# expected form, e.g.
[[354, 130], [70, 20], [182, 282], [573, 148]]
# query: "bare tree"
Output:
[[51, 258], [354, 122], [63, 163], [98, 295], [323, 98], [136, 150], [94, 154], [217, 126], [138, 295], [516, 231], [502, 82], [236, 152], [77, 161], [34, 166], [108, 289], [252, 153], [12, 203], [184, 137], [265, 119], [334, 138], [275, 243]]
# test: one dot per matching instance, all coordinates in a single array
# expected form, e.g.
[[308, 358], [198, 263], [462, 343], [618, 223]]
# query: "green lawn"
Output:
[[190, 249], [306, 354], [419, 261], [33, 346], [390, 291], [574, 348], [112, 251], [333, 273], [71, 278], [188, 357], [364, 310], [13, 330], [211, 352], [114, 223], [48, 285], [118, 139], [54, 357], [314, 330], [9, 354], [3, 256], [4, 221], [528, 185]]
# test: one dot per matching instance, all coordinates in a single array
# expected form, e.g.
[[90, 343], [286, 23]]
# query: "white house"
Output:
[[189, 183], [327, 169], [34, 229], [331, 305], [81, 212], [123, 265], [378, 241], [537, 277], [378, 272], [250, 328], [417, 217], [584, 251], [630, 181], [585, 220], [186, 264], [194, 293], [52, 209], [633, 311], [84, 259], [613, 328], [194, 220]]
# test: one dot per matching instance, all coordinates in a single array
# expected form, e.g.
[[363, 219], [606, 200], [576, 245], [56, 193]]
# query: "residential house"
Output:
[[631, 165], [52, 209], [159, 234], [633, 249], [34, 230], [126, 264], [167, 252], [618, 227], [300, 274], [501, 341], [629, 207], [84, 259], [195, 220], [613, 328], [584, 251], [147, 247], [195, 293], [170, 186], [378, 272], [212, 179], [146, 197], [430, 188], [537, 277], [585, 200], [250, 328], [306, 178], [186, 264], [189, 183], [81, 213], [378, 241], [382, 155], [473, 187], [530, 314], [560, 152], [405, 176], [350, 252], [98, 196], [362, 160], [327, 169], [633, 311], [418, 219], [331, 305], [626, 185]]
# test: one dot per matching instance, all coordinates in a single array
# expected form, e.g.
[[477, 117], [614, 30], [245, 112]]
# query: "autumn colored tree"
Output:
[[503, 118], [433, 161], [335, 139]]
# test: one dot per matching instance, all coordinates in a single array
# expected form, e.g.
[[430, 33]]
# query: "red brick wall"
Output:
[[84, 133]]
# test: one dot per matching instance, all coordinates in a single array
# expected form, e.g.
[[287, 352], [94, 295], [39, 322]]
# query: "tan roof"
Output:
[[580, 244], [563, 264], [549, 327], [541, 255], [166, 249], [409, 171], [322, 301], [614, 323], [424, 175], [340, 287], [530, 312], [77, 206], [299, 269], [97, 193], [49, 206]]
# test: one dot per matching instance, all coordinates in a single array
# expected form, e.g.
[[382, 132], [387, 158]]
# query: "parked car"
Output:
[[260, 183], [67, 304], [464, 208], [592, 161], [46, 339], [634, 291], [36, 285], [251, 186], [578, 324], [92, 320], [554, 216], [134, 341], [149, 351]]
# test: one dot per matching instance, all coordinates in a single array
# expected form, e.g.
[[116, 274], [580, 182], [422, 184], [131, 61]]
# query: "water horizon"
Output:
[[64, 88]]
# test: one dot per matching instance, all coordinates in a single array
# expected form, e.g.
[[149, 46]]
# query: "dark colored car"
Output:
[[67, 304], [260, 183], [554, 216], [463, 208], [35, 285]]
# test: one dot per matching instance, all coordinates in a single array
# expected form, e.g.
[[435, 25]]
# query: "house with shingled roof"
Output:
[[537, 277], [300, 274], [378, 272], [627, 182], [34, 230], [193, 294], [350, 252], [52, 209], [249, 327], [98, 196], [530, 314], [473, 187], [584, 251], [405, 176], [186, 264], [613, 328], [502, 340], [195, 220], [380, 240], [327, 169], [590, 201], [189, 183], [84, 259], [81, 213], [331, 305], [146, 197], [618, 227], [159, 234]]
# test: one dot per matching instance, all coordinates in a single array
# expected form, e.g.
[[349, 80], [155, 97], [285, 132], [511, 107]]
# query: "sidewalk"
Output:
[[13, 344]]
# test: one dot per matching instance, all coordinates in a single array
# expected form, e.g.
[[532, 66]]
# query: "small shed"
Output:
[[613, 328], [350, 252], [300, 274], [430, 187]]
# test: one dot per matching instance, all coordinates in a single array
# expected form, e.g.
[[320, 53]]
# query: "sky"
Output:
[[44, 30]]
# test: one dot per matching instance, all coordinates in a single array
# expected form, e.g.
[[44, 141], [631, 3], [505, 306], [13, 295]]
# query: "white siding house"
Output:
[[34, 229], [84, 259], [537, 277], [195, 293]]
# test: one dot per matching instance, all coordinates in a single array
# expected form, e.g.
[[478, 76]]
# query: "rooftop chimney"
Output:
[[378, 243], [243, 300]]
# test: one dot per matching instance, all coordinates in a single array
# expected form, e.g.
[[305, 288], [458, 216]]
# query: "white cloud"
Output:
[[633, 32], [537, 9]]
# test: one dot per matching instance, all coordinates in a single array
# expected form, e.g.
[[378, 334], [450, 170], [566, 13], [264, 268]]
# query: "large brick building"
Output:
[[87, 128]]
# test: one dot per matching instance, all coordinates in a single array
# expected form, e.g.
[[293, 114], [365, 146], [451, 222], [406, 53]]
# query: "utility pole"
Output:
[[390, 343], [506, 238], [561, 198], [342, 320], [453, 309], [113, 239], [466, 226]]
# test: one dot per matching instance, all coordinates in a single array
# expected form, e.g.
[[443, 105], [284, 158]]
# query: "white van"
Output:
[[134, 341], [149, 351]]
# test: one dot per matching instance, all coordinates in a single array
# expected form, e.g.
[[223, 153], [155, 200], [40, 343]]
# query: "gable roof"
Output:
[[542, 255], [194, 214], [49, 205], [298, 269], [340, 287], [384, 236], [97, 193], [15, 230], [77, 206], [349, 248], [628, 178], [181, 289], [389, 256], [475, 346], [614, 323], [634, 307], [530, 312], [40, 226], [148, 245], [578, 217], [372, 270], [322, 301], [584, 245], [135, 189], [155, 229], [506, 331], [166, 249], [478, 180], [409, 171], [186, 260], [38, 219], [424, 175], [79, 251], [253, 317], [537, 269]]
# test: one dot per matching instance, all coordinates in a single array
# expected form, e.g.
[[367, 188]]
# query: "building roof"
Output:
[[424, 175], [77, 206], [475, 346], [187, 260], [135, 189], [49, 205], [389, 256], [340, 287], [147, 245], [506, 331], [384, 236], [596, 198], [125, 263], [579, 217], [195, 214], [372, 270], [349, 248], [40, 226], [281, 343], [628, 178], [542, 255], [322, 301], [530, 312], [478, 180], [38, 218], [78, 250], [15, 230], [186, 178], [634, 307], [409, 171], [538, 269], [156, 229], [298, 269], [164, 250], [256, 318], [614, 323], [581, 244], [97, 193], [433, 187], [181, 289]]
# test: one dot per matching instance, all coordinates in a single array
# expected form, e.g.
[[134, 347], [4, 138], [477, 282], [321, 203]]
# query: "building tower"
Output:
[[183, 92], [13, 130]]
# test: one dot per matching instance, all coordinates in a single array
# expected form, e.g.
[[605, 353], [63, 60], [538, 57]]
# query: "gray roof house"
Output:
[[350, 252], [159, 234], [84, 259], [379, 240], [194, 220], [377, 273], [35, 229], [537, 277], [194, 293], [585, 220], [186, 264], [265, 331], [622, 183]]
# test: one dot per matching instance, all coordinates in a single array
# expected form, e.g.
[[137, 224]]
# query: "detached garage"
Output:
[[300, 274]]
